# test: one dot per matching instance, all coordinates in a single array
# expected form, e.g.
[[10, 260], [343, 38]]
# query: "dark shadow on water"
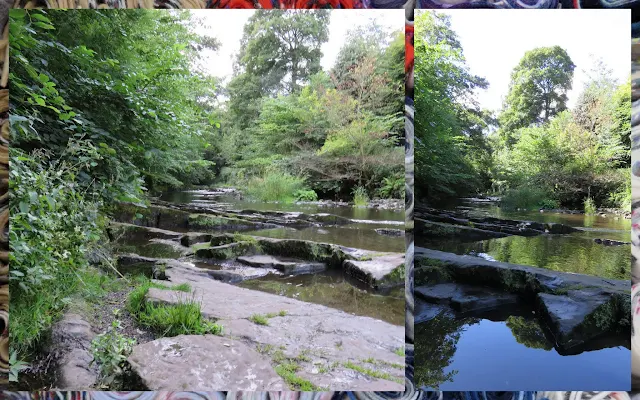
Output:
[[495, 351]]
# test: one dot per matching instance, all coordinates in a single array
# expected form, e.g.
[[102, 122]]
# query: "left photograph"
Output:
[[207, 200]]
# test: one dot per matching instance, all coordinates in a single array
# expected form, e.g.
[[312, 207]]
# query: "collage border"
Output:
[[411, 392]]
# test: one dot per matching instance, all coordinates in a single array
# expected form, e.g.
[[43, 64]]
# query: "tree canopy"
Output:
[[536, 152]]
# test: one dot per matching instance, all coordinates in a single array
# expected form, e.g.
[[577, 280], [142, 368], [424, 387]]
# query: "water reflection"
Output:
[[336, 290], [512, 353]]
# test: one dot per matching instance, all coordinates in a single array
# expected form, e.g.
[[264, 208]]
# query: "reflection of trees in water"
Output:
[[567, 254], [435, 345], [528, 333]]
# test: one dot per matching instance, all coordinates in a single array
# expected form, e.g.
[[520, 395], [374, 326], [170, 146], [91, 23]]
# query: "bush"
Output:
[[275, 186], [527, 198], [549, 204], [54, 223], [306, 195], [392, 188], [590, 206], [360, 197]]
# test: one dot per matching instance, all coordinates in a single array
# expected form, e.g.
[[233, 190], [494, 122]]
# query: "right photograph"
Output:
[[522, 200]]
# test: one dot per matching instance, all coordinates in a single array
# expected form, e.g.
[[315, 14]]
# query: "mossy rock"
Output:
[[214, 222], [227, 251], [302, 249]]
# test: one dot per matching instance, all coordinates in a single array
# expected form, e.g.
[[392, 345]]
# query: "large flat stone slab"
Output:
[[204, 363], [577, 308], [513, 277], [327, 337]]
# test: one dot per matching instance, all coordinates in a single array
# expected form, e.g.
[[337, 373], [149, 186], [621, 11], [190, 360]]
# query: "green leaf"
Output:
[[40, 17], [44, 25]]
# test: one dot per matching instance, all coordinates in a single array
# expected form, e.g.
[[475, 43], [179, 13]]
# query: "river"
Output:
[[512, 349]]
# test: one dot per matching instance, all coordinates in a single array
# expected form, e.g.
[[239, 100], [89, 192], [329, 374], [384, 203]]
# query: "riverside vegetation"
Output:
[[105, 120], [521, 221]]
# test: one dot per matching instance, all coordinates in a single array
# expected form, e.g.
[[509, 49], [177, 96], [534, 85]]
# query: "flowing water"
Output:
[[511, 350]]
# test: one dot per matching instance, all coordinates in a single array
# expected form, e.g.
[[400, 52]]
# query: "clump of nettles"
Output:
[[110, 351]]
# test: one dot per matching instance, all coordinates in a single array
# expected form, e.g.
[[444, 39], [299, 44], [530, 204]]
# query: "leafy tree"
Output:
[[283, 48], [447, 116], [538, 89]]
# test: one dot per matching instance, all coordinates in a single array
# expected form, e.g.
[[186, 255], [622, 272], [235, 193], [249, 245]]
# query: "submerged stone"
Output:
[[203, 363], [389, 232]]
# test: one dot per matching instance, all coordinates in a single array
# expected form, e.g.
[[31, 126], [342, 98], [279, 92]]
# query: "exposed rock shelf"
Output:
[[164, 215], [438, 224], [576, 308], [322, 340]]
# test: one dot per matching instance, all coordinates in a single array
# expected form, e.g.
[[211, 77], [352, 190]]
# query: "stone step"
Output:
[[287, 266], [465, 298]]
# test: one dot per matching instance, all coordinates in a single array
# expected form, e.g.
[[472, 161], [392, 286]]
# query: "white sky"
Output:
[[227, 27], [494, 41]]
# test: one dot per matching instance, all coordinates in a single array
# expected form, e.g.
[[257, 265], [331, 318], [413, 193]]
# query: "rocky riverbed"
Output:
[[268, 341]]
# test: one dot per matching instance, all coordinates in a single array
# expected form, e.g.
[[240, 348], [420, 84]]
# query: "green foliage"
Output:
[[15, 366], [259, 319], [184, 318], [305, 195], [337, 130], [370, 372], [446, 127], [275, 186], [288, 372], [54, 223], [155, 124], [549, 204], [110, 351], [360, 197], [392, 187], [527, 198], [538, 90], [590, 206]]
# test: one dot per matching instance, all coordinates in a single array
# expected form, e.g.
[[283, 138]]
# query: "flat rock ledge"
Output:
[[378, 270], [577, 308], [163, 215], [203, 363], [323, 342]]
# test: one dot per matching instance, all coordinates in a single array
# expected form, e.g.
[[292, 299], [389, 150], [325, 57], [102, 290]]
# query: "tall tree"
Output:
[[283, 47], [446, 110], [538, 89]]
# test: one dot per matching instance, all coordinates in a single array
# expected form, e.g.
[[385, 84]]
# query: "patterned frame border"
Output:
[[4, 193], [410, 391]]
